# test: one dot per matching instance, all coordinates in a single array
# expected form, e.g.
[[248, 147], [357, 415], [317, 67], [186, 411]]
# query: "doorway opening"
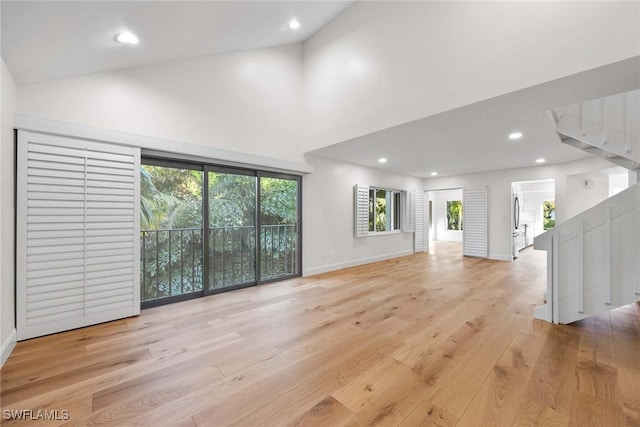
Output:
[[444, 213], [533, 211]]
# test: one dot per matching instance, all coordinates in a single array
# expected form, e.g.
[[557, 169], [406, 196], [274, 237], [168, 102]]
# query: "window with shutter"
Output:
[[77, 233]]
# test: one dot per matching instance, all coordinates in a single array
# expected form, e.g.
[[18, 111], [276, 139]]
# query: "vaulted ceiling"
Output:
[[44, 40]]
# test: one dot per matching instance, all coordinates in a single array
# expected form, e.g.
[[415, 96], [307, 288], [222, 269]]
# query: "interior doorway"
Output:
[[533, 211], [444, 215]]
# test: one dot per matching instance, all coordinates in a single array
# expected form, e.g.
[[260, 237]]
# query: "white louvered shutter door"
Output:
[[419, 235], [409, 210], [77, 233], [361, 211], [474, 222]]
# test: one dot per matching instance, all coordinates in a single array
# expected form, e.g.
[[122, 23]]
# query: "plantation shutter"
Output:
[[77, 233], [474, 222], [409, 208], [361, 211], [419, 235]]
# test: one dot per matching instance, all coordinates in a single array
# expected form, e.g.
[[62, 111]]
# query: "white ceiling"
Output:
[[44, 40], [474, 138]]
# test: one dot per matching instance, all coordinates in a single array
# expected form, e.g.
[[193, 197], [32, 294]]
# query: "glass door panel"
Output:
[[170, 233], [232, 230], [279, 227]]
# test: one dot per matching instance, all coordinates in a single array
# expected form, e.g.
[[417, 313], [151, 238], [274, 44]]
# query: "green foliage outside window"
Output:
[[454, 215], [549, 214], [381, 210], [171, 200]]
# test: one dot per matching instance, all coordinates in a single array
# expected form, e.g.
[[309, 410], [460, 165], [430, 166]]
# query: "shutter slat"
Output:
[[111, 171], [111, 284], [52, 280], [96, 309], [62, 263], [36, 319], [106, 274], [50, 294], [65, 285]]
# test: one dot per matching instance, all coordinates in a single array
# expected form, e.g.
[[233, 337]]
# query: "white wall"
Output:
[[7, 182], [440, 231], [618, 182], [328, 217], [499, 195], [248, 102], [581, 198], [380, 64]]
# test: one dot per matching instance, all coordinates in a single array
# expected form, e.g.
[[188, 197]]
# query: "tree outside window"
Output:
[[548, 214], [454, 215], [384, 210]]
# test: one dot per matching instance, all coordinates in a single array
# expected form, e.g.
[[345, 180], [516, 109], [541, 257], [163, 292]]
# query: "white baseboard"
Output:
[[353, 263], [7, 347], [500, 257], [543, 313]]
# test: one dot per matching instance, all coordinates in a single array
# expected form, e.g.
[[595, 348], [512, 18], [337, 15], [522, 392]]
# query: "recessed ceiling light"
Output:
[[294, 24], [541, 160], [382, 160], [515, 135], [127, 38], [434, 173]]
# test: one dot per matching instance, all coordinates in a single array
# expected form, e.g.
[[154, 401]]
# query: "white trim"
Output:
[[500, 257], [542, 312], [384, 233], [340, 265], [231, 158], [7, 347]]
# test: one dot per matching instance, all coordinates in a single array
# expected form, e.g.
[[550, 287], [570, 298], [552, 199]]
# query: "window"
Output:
[[548, 214], [384, 210], [454, 215]]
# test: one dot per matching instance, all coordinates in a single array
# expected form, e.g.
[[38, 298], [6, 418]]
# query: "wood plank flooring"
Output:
[[428, 339]]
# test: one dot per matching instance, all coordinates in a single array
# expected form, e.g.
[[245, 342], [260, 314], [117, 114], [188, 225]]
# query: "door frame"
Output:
[[206, 279], [298, 179]]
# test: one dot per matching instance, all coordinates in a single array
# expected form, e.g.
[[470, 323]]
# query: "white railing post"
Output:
[[637, 222], [583, 118], [555, 277], [580, 291], [607, 255], [629, 122], [605, 121]]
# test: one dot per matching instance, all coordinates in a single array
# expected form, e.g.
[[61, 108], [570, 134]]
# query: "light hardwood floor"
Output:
[[429, 339]]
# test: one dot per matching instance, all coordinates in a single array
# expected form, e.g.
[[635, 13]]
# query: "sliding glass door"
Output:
[[171, 240], [208, 229], [279, 226], [231, 250]]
